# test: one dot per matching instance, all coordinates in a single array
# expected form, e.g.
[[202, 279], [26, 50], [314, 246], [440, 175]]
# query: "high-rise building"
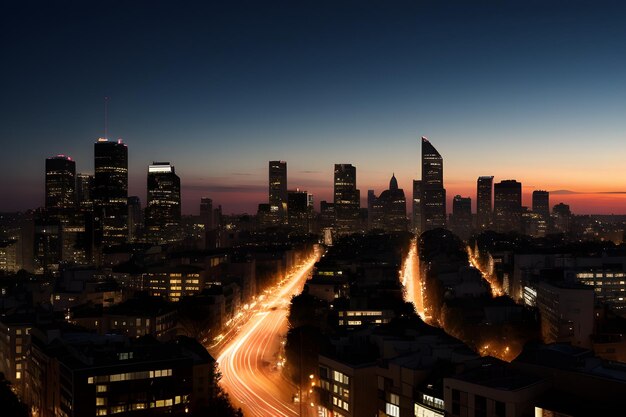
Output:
[[110, 193], [60, 184], [562, 217], [278, 191], [347, 199], [163, 207], [541, 203], [417, 207], [135, 219], [371, 208], [483, 202], [507, 206], [389, 209], [206, 213], [434, 195], [84, 191], [462, 216], [298, 210]]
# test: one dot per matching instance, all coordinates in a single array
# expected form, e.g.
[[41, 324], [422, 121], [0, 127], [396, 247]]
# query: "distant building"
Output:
[[541, 204], [84, 191], [508, 206], [347, 199], [110, 193], [434, 195], [135, 219], [278, 191], [416, 215], [60, 185], [389, 209], [163, 211], [483, 202], [462, 216], [562, 217], [206, 213], [298, 210]]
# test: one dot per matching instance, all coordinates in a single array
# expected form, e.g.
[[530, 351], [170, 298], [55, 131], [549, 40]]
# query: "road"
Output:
[[411, 280], [249, 359]]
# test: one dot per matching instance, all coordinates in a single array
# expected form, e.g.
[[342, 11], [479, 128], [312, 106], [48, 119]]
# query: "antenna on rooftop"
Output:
[[106, 117]]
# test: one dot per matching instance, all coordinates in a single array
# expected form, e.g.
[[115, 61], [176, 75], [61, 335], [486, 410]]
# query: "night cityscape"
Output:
[[321, 209]]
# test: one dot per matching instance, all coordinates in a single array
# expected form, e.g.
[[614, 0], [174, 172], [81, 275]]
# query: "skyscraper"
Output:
[[298, 210], [278, 191], [84, 191], [346, 199], [110, 192], [206, 213], [508, 206], [434, 195], [462, 216], [541, 204], [135, 218], [483, 202], [60, 184], [163, 208]]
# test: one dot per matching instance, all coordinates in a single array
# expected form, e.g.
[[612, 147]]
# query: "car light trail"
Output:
[[247, 356]]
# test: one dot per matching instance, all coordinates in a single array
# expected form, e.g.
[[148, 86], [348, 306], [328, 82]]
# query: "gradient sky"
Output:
[[531, 90]]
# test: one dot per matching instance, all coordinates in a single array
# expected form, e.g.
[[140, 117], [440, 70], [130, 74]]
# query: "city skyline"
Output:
[[199, 91]]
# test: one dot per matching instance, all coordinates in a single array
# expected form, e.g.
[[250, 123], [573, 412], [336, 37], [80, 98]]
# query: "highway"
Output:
[[249, 358]]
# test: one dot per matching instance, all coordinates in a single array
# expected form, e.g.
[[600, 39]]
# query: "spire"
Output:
[[393, 183]]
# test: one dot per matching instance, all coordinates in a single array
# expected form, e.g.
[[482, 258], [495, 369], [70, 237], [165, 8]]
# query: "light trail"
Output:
[[496, 288], [248, 358], [412, 281]]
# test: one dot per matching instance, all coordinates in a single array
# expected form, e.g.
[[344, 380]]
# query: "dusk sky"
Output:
[[533, 91]]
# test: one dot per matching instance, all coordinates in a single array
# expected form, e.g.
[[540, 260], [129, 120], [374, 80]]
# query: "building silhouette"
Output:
[[416, 215], [84, 191], [110, 193], [299, 210], [163, 206], [60, 184], [462, 216], [278, 192], [484, 202], [508, 206], [346, 199], [433, 193], [389, 209], [541, 203]]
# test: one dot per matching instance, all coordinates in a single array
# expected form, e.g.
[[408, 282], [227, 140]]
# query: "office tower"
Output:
[[483, 202], [278, 191], [541, 203], [163, 206], [371, 201], [110, 193], [298, 210], [135, 219], [507, 206], [206, 212], [84, 191], [434, 195], [47, 243], [562, 218], [60, 185], [417, 207], [462, 216], [347, 199], [327, 214]]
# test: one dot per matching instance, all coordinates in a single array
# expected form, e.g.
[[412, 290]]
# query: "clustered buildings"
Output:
[[107, 307]]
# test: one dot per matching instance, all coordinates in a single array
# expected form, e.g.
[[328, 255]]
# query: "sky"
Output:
[[526, 90]]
